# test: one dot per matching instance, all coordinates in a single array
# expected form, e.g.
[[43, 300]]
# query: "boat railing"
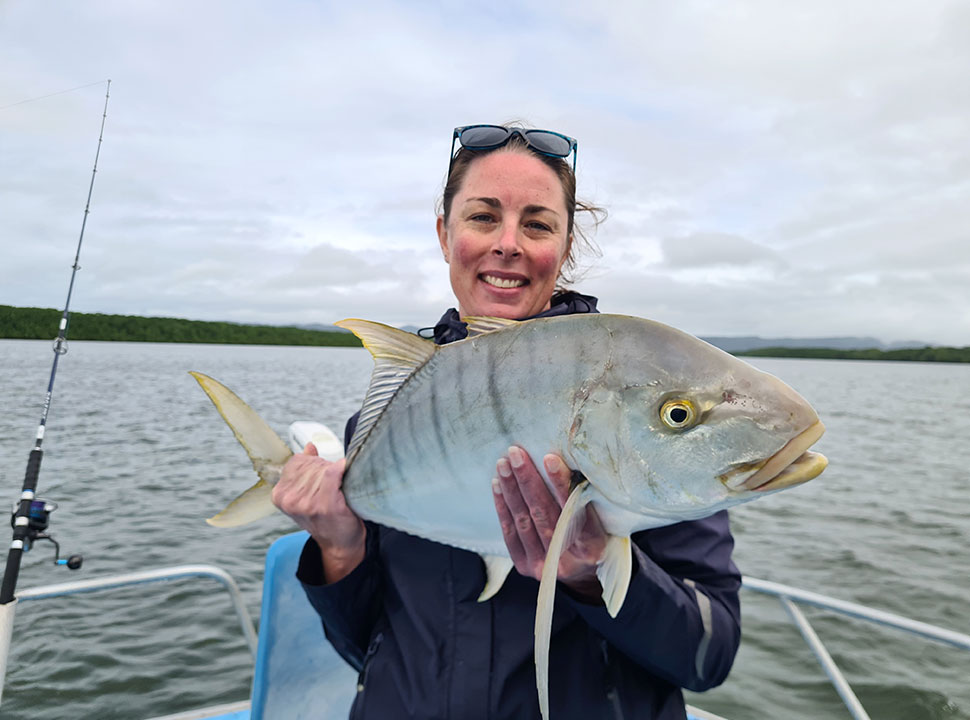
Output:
[[177, 572], [788, 595]]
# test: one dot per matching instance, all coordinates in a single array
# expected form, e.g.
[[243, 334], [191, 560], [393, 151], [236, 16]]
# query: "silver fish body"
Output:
[[588, 387]]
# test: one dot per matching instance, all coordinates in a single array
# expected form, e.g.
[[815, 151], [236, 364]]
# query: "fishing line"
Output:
[[30, 520], [59, 92]]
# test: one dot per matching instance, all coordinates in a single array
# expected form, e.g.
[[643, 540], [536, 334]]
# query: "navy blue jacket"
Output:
[[407, 618]]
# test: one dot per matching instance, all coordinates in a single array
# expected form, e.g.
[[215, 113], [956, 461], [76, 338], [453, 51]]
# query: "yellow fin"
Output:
[[497, 568], [614, 571], [265, 448], [390, 344], [254, 504], [397, 355], [480, 324], [261, 442]]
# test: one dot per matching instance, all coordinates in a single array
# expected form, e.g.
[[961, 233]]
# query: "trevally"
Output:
[[658, 426]]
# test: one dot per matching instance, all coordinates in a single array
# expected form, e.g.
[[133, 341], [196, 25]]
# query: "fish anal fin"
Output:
[[614, 571], [252, 505], [497, 568], [480, 324], [568, 526]]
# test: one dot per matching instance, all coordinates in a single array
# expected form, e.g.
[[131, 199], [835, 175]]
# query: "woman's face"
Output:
[[506, 238]]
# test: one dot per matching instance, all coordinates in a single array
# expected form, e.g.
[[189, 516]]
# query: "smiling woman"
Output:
[[506, 238], [434, 630]]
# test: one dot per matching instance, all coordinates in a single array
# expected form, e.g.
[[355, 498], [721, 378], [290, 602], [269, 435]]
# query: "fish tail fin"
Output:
[[265, 448], [254, 504]]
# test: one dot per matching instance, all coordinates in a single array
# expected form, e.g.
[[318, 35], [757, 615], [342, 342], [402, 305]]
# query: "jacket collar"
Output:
[[450, 327]]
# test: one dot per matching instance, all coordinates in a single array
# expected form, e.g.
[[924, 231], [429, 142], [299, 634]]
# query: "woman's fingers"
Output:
[[509, 530], [522, 520], [560, 476], [541, 505]]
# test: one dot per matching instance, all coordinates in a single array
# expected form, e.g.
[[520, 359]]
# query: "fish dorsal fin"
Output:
[[569, 525], [397, 354], [479, 325]]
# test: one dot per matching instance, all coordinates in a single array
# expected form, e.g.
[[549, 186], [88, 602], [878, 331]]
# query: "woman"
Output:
[[404, 611]]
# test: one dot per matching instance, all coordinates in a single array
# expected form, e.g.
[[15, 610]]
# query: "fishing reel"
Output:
[[38, 519]]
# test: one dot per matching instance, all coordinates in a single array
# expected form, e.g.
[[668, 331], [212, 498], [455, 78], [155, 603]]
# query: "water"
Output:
[[136, 457]]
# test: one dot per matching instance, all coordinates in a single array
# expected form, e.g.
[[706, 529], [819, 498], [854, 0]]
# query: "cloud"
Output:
[[705, 250], [768, 168]]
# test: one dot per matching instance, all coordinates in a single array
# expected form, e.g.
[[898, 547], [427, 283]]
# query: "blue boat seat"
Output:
[[297, 674]]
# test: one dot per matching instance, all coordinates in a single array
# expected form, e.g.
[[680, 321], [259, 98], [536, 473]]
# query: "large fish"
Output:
[[659, 425]]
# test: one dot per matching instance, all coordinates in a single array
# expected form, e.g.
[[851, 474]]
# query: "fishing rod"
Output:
[[31, 518]]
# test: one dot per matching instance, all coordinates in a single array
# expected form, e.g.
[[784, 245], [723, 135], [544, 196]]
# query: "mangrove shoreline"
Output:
[[22, 323]]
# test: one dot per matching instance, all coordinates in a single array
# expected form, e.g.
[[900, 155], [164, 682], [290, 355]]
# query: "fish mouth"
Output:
[[794, 464]]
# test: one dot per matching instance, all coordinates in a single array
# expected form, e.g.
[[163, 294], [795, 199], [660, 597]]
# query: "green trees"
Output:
[[42, 324]]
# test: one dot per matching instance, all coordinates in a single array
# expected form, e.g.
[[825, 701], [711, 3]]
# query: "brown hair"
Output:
[[464, 159]]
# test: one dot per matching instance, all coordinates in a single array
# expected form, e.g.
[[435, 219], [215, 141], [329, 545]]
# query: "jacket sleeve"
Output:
[[681, 619], [350, 607]]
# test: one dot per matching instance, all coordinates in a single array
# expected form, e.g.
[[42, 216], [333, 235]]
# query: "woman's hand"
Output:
[[528, 513], [309, 492]]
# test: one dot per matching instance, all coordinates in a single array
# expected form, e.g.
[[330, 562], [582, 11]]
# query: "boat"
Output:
[[297, 675]]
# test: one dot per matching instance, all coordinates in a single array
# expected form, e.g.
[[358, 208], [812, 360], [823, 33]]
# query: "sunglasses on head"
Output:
[[489, 137]]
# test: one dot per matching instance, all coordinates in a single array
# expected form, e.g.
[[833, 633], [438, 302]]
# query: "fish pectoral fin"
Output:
[[567, 529], [614, 571], [481, 324], [252, 505], [497, 568]]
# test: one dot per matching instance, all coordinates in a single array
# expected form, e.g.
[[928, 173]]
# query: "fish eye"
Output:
[[678, 414]]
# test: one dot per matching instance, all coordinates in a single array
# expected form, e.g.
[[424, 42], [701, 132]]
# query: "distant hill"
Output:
[[740, 344], [317, 327], [923, 354]]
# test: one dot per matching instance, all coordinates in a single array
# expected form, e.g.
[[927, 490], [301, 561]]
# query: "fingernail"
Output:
[[503, 468], [496, 486], [553, 464], [516, 457]]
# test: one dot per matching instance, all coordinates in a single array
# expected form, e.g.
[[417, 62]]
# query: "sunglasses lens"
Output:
[[483, 136], [547, 142]]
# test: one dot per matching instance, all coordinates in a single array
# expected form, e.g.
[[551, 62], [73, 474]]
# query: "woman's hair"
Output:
[[574, 233]]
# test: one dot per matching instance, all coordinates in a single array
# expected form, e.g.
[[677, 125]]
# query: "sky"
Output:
[[769, 168]]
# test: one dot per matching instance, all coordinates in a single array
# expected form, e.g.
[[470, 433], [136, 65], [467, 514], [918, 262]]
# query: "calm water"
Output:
[[136, 456]]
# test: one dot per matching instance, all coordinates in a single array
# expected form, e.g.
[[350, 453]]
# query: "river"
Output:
[[136, 457]]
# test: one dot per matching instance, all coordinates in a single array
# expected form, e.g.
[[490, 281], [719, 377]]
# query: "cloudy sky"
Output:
[[781, 169]]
